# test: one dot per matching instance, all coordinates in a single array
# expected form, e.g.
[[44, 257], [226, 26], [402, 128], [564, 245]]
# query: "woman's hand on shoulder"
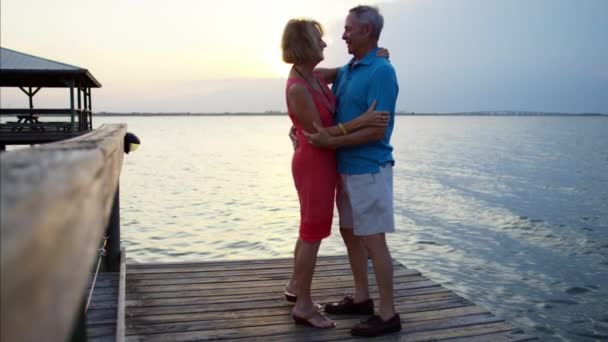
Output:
[[383, 52]]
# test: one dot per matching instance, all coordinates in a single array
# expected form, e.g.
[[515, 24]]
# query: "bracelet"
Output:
[[341, 126]]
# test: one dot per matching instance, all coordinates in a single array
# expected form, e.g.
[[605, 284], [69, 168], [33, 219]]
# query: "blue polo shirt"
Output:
[[356, 86]]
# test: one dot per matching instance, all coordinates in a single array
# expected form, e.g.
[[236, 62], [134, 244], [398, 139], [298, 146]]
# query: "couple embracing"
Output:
[[340, 129]]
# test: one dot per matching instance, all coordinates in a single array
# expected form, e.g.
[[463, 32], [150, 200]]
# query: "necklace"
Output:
[[328, 105]]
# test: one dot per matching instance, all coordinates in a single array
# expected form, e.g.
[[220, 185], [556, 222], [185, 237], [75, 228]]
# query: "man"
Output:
[[365, 162]]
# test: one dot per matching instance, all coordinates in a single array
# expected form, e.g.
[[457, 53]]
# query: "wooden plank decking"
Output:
[[232, 300], [102, 311]]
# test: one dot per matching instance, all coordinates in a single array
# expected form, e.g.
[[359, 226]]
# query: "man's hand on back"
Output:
[[293, 137]]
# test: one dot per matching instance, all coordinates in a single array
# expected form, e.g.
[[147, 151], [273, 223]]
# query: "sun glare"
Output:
[[274, 65], [197, 41]]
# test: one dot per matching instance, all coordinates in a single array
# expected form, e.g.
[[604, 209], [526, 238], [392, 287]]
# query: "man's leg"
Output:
[[360, 303], [383, 268], [357, 256], [375, 217], [376, 223]]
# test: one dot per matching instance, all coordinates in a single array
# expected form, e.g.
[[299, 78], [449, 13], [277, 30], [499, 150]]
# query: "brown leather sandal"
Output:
[[305, 320]]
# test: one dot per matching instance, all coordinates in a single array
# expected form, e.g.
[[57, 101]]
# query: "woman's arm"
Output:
[[367, 125], [328, 74], [303, 107], [371, 118], [324, 140]]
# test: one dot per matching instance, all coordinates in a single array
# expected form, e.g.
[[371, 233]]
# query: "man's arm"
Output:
[[370, 118], [384, 88], [323, 139]]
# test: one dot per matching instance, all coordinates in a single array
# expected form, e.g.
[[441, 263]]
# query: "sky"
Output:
[[224, 56]]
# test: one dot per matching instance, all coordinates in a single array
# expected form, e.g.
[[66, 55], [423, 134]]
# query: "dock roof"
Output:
[[22, 70]]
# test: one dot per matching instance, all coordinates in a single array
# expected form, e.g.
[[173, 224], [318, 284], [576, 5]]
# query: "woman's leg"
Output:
[[303, 271], [292, 286]]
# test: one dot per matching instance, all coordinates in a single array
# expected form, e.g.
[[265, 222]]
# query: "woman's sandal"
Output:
[[292, 298], [305, 320]]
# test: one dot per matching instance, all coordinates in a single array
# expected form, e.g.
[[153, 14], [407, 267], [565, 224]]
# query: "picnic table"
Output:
[[27, 120]]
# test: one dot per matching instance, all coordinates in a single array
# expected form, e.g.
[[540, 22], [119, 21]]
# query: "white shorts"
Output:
[[365, 202]]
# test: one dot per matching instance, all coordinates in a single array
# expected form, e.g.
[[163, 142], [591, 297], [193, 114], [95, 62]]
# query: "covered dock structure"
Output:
[[29, 126]]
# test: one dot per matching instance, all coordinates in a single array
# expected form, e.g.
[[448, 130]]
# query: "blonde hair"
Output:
[[299, 42]]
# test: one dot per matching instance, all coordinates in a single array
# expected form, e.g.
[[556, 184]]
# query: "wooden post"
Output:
[[90, 110], [72, 125], [80, 113], [113, 233], [120, 312], [79, 97], [31, 96], [86, 108]]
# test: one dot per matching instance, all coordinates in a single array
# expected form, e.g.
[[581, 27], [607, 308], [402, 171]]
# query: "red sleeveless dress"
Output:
[[314, 169]]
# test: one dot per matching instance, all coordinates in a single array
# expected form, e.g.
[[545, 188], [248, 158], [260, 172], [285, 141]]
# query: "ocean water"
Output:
[[509, 212]]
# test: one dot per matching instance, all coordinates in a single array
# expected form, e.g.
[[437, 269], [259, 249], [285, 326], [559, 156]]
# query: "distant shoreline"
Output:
[[398, 114]]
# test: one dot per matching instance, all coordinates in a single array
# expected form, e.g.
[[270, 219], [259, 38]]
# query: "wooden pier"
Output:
[[242, 300], [60, 204]]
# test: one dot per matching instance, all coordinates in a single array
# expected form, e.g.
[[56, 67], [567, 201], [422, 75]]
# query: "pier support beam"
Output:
[[113, 232]]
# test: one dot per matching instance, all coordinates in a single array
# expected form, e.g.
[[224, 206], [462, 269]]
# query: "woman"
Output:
[[309, 100]]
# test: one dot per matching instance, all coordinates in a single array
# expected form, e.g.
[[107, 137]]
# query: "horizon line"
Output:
[[401, 113]]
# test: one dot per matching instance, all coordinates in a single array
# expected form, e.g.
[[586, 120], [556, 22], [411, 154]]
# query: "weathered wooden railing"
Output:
[[56, 203]]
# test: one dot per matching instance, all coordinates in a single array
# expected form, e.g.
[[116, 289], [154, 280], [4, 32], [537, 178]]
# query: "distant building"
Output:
[[32, 125]]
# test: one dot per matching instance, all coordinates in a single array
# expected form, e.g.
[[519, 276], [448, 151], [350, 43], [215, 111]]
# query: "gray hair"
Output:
[[369, 15]]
